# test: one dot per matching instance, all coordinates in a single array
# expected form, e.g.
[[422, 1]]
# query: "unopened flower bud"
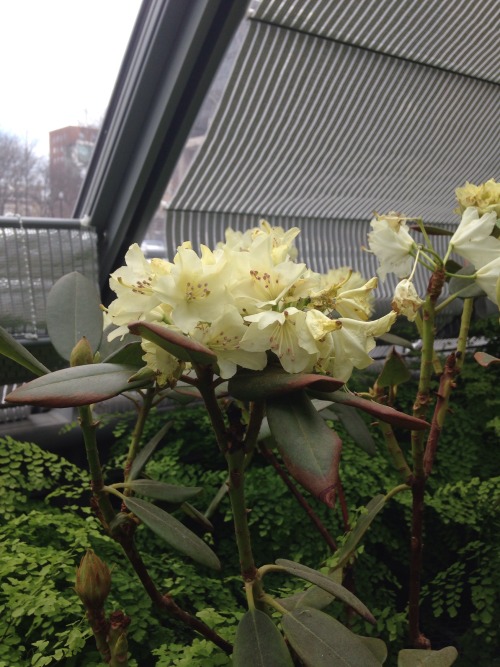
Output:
[[81, 354], [93, 581], [406, 300]]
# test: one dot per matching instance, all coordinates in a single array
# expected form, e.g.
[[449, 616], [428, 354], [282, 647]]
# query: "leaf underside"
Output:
[[173, 532], [259, 643], [321, 641], [80, 385], [310, 450]]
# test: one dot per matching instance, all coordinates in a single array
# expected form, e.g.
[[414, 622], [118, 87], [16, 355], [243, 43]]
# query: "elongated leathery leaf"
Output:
[[274, 382], [356, 427], [376, 646], [313, 596], [409, 657], [9, 347], [321, 641], [170, 493], [259, 643], [382, 412], [73, 311], [130, 354], [80, 385], [356, 534], [173, 532], [327, 584], [179, 346], [147, 452], [464, 287], [197, 516], [310, 450]]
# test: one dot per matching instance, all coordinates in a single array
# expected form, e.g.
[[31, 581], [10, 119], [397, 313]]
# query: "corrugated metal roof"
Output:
[[313, 131]]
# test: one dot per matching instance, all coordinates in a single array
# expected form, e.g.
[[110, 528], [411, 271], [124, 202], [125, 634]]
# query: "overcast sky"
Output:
[[60, 59]]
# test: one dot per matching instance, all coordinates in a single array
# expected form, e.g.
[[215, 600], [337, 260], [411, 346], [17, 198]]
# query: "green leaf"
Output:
[[464, 287], [376, 646], [355, 536], [394, 372], [10, 348], [452, 267], [310, 597], [197, 516], [170, 493], [410, 657], [356, 427], [73, 311], [432, 229], [130, 354], [485, 359], [81, 385], [108, 347], [382, 412], [310, 450], [175, 534], [259, 643], [392, 339], [327, 584], [147, 452], [179, 346], [321, 641], [273, 381]]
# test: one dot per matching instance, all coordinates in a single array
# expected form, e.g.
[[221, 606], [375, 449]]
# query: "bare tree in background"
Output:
[[23, 178]]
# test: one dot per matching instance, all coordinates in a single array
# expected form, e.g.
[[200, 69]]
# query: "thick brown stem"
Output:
[[446, 384], [343, 507], [270, 458], [417, 639]]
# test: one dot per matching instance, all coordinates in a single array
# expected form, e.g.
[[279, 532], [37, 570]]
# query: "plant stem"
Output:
[[395, 451], [235, 462], [270, 457], [452, 368], [100, 626], [166, 603], [464, 331], [138, 431], [88, 427], [233, 449], [417, 639], [420, 408]]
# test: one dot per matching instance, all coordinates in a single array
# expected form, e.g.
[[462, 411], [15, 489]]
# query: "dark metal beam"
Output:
[[173, 54]]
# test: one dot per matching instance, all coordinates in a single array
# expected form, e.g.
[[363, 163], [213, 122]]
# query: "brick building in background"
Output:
[[70, 150]]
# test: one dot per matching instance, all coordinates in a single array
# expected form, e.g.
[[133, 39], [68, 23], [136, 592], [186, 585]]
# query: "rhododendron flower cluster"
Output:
[[475, 241], [245, 299]]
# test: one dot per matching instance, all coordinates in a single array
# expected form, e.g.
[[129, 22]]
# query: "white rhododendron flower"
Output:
[[223, 336], [351, 344], [195, 288], [486, 197], [406, 300], [250, 303], [391, 242], [286, 335], [488, 277], [472, 238]]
